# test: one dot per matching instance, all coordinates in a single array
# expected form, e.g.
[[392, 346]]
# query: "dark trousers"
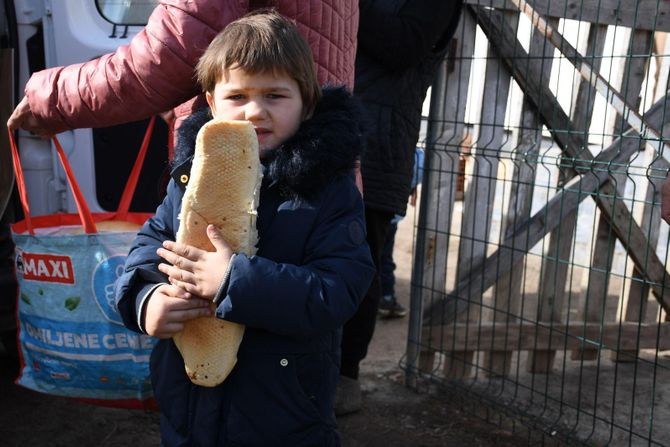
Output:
[[387, 270], [358, 331]]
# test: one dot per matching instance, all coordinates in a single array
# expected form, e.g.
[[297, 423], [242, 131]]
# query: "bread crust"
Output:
[[222, 190]]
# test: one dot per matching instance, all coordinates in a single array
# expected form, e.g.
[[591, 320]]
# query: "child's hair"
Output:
[[260, 42]]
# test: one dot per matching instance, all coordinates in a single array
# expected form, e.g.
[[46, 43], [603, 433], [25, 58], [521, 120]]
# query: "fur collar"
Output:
[[326, 145]]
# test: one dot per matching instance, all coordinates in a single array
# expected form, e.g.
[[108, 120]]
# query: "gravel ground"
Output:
[[392, 415]]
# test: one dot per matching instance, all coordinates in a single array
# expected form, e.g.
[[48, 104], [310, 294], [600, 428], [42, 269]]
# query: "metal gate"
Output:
[[543, 291]]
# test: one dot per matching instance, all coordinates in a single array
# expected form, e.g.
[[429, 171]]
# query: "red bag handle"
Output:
[[82, 207], [131, 184], [20, 182]]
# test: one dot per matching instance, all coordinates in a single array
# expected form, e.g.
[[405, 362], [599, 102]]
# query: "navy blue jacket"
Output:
[[311, 270]]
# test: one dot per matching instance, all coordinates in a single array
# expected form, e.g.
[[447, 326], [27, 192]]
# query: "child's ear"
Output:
[[210, 101]]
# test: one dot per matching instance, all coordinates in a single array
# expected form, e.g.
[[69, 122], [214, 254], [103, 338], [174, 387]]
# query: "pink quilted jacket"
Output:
[[154, 72]]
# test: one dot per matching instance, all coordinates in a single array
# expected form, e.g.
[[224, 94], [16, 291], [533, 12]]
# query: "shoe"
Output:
[[347, 396], [390, 308]]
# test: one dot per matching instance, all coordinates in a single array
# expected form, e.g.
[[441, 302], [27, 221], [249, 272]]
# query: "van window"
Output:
[[126, 12]]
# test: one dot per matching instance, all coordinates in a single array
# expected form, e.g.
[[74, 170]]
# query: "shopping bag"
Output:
[[72, 341]]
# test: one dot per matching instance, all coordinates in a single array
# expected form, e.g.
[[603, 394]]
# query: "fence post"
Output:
[[445, 133]]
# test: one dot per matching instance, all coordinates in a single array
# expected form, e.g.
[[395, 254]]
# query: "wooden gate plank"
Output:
[[531, 231], [444, 136], [549, 336], [649, 135], [603, 252], [638, 14], [573, 144], [508, 290], [479, 199], [638, 291], [555, 266], [546, 219]]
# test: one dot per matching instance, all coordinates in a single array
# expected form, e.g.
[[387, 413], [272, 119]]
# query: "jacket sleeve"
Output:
[[321, 294], [140, 271], [403, 40], [150, 75]]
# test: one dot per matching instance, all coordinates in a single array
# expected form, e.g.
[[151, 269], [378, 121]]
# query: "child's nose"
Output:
[[254, 109]]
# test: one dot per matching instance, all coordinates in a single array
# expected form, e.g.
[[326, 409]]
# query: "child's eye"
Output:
[[235, 97], [274, 96]]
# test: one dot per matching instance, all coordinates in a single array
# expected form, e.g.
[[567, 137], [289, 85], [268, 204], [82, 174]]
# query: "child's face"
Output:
[[272, 103]]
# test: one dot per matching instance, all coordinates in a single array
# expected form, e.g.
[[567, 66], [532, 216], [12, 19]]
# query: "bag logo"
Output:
[[44, 267], [104, 276]]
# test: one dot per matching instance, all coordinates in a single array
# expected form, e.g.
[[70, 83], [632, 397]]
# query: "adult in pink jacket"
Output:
[[154, 72]]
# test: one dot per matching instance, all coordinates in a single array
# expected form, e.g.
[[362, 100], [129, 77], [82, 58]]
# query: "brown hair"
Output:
[[260, 42]]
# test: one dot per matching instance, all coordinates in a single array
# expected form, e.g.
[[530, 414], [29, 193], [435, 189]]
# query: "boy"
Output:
[[311, 269]]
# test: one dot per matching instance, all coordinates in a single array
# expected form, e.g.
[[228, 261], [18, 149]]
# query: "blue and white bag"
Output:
[[71, 338]]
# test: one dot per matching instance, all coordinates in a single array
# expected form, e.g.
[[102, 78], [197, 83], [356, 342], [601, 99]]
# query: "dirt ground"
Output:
[[392, 415]]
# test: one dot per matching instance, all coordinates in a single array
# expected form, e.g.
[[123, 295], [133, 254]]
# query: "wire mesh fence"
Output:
[[539, 283]]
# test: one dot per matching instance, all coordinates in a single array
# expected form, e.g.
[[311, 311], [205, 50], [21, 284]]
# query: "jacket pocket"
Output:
[[269, 405]]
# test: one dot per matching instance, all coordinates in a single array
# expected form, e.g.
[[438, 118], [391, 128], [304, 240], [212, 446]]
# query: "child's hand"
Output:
[[169, 307], [197, 271]]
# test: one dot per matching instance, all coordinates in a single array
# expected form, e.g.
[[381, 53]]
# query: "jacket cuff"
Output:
[[223, 288], [141, 302]]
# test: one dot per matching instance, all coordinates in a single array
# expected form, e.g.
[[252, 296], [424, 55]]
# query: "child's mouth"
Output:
[[262, 133]]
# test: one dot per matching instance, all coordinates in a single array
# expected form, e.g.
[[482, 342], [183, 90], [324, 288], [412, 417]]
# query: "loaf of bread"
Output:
[[222, 190]]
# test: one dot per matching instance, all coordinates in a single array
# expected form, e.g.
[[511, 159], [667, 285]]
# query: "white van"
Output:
[[36, 34]]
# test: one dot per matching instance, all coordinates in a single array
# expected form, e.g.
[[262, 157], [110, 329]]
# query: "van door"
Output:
[[7, 77], [55, 33], [35, 34]]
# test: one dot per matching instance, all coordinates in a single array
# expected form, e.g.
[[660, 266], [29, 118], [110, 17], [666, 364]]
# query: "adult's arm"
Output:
[[152, 74], [404, 39]]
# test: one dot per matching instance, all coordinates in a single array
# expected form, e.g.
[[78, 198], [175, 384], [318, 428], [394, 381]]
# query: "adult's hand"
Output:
[[665, 200], [23, 118]]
